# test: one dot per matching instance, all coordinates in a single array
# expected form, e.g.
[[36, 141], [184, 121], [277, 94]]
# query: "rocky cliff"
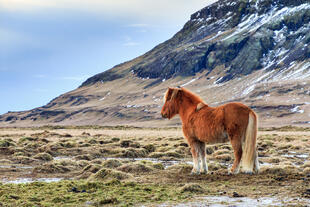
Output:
[[255, 51]]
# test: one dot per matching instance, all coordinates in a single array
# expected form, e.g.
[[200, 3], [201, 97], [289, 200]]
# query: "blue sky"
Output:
[[49, 47]]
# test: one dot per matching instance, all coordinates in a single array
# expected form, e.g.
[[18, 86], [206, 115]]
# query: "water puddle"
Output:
[[63, 158], [292, 154], [220, 201], [165, 163], [15, 166], [31, 180]]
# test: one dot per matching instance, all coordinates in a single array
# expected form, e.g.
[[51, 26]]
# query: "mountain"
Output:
[[253, 51]]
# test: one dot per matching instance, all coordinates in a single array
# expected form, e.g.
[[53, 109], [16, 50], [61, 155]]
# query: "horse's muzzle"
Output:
[[164, 115]]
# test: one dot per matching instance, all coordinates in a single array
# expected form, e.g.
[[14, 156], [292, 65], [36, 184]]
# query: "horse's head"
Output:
[[172, 101]]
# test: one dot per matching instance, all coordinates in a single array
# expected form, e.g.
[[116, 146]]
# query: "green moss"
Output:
[[7, 143], [43, 156], [108, 174], [192, 187], [27, 139], [94, 193], [113, 163]]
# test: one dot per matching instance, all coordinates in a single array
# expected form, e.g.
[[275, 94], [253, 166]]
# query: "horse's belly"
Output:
[[216, 138]]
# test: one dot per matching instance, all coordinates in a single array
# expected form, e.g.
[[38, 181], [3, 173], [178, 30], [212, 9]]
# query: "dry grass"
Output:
[[86, 153]]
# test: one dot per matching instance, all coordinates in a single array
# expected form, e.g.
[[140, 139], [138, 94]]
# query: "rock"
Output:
[[237, 195]]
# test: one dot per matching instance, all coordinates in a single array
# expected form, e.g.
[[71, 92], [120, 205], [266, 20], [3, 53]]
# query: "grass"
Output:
[[95, 193], [97, 180]]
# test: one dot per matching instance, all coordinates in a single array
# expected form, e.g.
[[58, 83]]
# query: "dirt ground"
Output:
[[151, 165]]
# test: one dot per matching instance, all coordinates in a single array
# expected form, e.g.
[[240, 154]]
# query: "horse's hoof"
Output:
[[204, 172], [230, 172], [248, 172]]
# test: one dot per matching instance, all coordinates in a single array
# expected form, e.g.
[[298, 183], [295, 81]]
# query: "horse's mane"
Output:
[[193, 97]]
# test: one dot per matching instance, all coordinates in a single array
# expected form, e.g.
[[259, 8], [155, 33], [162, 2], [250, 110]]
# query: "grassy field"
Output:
[[127, 166]]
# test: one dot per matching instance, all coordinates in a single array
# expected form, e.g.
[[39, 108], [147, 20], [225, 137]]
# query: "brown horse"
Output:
[[203, 124]]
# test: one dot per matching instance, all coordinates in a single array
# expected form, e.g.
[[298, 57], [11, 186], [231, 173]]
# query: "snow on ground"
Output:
[[297, 109], [294, 72], [109, 93], [189, 82], [252, 22]]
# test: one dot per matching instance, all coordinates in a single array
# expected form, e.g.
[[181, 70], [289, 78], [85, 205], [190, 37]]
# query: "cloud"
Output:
[[129, 42], [12, 38], [135, 9]]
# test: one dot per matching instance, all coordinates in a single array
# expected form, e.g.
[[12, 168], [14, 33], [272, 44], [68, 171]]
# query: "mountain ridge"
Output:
[[253, 51]]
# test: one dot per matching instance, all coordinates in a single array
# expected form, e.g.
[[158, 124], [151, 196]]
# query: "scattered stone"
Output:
[[237, 195]]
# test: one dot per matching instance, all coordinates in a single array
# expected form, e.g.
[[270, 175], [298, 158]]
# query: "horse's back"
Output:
[[236, 116]]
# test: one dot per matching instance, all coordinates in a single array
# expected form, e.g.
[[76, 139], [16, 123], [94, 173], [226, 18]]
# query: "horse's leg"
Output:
[[237, 147], [256, 163], [204, 166], [195, 153]]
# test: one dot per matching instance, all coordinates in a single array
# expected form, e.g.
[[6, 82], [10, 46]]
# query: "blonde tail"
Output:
[[249, 161]]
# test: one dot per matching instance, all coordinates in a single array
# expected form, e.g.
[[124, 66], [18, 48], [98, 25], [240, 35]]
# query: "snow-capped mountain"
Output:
[[255, 51]]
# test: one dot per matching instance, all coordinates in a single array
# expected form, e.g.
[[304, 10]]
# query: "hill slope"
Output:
[[254, 51]]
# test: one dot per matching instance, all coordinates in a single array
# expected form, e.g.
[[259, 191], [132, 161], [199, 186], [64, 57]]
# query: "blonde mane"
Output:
[[192, 96]]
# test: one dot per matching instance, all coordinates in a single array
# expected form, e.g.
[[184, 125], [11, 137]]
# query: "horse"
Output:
[[202, 124]]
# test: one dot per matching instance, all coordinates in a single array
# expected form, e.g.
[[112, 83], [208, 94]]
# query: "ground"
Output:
[[127, 166]]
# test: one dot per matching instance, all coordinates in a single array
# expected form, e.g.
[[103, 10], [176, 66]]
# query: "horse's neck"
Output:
[[186, 110]]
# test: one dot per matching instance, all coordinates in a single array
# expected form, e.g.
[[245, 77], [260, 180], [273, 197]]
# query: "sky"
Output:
[[49, 47]]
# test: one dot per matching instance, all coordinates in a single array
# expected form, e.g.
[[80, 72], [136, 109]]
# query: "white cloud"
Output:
[[10, 37], [172, 10], [129, 42]]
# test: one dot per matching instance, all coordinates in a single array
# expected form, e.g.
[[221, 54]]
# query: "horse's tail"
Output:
[[249, 161]]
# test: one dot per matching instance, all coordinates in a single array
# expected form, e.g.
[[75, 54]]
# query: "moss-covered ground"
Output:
[[142, 167]]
